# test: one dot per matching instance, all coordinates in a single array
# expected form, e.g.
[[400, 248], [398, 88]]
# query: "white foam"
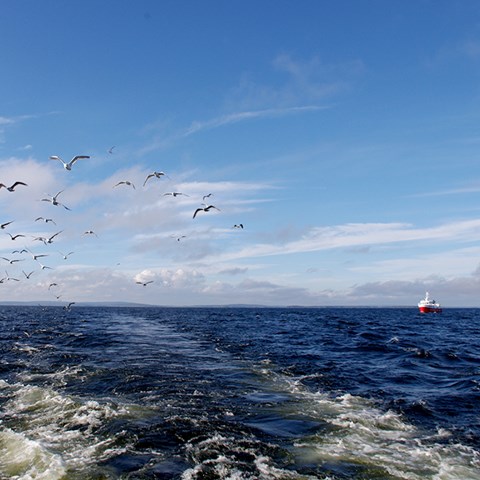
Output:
[[24, 459], [47, 434], [358, 432]]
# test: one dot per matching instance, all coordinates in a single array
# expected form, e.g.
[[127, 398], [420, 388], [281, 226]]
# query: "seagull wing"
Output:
[[196, 211], [77, 157], [148, 177], [56, 157]]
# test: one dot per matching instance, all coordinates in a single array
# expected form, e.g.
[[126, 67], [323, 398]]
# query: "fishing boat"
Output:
[[428, 305]]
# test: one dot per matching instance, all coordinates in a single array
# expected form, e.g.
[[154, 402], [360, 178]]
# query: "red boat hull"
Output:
[[429, 310]]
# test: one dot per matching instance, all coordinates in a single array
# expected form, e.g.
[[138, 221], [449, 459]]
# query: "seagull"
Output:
[[23, 250], [46, 220], [240, 225], [145, 283], [3, 225], [154, 174], [176, 194], [110, 150], [69, 306], [179, 237], [52, 285], [39, 255], [43, 267], [65, 255], [53, 200], [207, 196], [7, 278], [125, 182], [68, 166], [14, 237], [48, 240], [12, 188], [90, 232], [11, 262], [206, 209], [27, 275]]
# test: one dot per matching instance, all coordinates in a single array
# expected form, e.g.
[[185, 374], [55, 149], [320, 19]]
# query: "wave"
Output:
[[356, 438]]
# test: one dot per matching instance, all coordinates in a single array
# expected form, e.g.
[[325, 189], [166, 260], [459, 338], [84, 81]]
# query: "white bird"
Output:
[[68, 166], [90, 232], [7, 278], [145, 283], [125, 182], [27, 275], [44, 267], [65, 255], [12, 187], [176, 194], [46, 220], [178, 237], [35, 257], [14, 237], [206, 209], [53, 200], [11, 262], [48, 240], [156, 175], [207, 196]]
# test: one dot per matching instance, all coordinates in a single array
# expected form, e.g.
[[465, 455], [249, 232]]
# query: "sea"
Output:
[[91, 393]]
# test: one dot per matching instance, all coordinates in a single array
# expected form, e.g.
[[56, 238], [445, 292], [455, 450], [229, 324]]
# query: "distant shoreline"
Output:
[[145, 305]]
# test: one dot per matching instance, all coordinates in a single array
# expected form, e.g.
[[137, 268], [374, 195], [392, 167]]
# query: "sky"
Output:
[[338, 142]]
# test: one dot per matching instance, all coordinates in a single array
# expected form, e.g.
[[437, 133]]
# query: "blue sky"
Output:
[[343, 135]]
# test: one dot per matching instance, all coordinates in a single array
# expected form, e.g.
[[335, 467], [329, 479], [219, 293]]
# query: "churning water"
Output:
[[232, 393]]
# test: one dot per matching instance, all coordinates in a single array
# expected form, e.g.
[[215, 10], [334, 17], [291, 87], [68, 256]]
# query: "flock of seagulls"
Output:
[[53, 199]]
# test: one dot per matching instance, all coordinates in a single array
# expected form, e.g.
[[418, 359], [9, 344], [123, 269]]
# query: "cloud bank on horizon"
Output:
[[349, 163]]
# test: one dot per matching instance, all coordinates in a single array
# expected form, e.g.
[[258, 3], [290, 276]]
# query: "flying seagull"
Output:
[[176, 194], [53, 200], [207, 196], [48, 240], [46, 220], [68, 166], [90, 232], [12, 188], [11, 262], [43, 267], [178, 237], [3, 225], [40, 254], [27, 275], [7, 278], [110, 150], [240, 225], [145, 283], [125, 182], [154, 174], [206, 209], [65, 255], [14, 237]]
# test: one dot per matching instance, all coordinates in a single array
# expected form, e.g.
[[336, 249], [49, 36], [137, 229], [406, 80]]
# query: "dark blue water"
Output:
[[220, 393]]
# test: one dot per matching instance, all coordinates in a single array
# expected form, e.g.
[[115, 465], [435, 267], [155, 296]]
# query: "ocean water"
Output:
[[232, 393]]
